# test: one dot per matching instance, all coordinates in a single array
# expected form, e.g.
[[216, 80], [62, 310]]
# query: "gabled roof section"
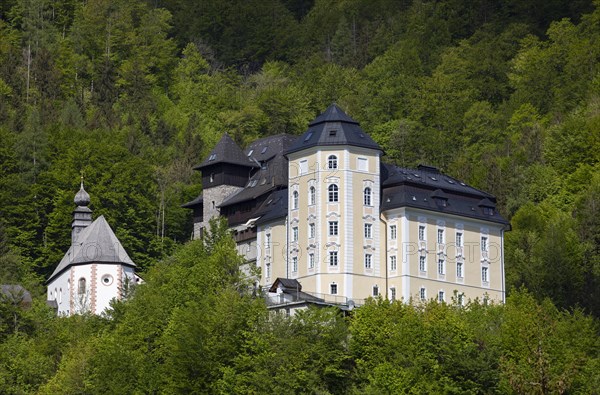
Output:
[[285, 284], [333, 127], [226, 151], [267, 148], [97, 243]]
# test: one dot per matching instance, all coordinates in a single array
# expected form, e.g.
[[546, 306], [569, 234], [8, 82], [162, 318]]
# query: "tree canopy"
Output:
[[504, 95]]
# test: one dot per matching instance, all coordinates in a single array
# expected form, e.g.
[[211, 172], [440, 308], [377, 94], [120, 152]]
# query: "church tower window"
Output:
[[81, 290]]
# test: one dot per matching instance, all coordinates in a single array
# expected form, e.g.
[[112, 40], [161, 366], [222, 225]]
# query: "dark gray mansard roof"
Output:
[[226, 151], [273, 173], [428, 189], [333, 127]]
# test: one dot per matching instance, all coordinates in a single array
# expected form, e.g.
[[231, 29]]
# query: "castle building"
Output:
[[322, 210], [95, 270]]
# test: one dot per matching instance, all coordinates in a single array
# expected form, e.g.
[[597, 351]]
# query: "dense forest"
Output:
[[502, 94]]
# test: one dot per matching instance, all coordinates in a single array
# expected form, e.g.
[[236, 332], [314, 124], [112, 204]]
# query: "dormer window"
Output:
[[250, 152], [332, 162], [264, 150], [440, 198], [308, 136], [212, 157], [332, 133]]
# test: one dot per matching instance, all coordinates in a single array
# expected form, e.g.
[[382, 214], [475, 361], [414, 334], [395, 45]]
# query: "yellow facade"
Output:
[[395, 268]]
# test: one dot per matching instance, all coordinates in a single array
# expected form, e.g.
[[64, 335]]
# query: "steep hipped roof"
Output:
[[273, 173], [333, 127], [96, 243], [226, 151]]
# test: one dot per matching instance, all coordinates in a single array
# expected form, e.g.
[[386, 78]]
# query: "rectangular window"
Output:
[[421, 233], [333, 228], [268, 241], [460, 298], [393, 233], [484, 275], [422, 266], [311, 261], [333, 289], [484, 243], [294, 264], [311, 231], [441, 296], [368, 261], [333, 258], [459, 269], [459, 239], [363, 164], [440, 236], [303, 167], [375, 290], [295, 233], [368, 231], [268, 270], [441, 266], [422, 293], [393, 294], [393, 263]]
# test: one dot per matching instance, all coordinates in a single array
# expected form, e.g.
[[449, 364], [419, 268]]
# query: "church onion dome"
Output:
[[333, 127], [82, 198]]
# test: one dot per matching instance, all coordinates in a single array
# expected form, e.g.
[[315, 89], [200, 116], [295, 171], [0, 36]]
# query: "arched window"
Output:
[[81, 289], [295, 200], [367, 196], [312, 196], [333, 193], [332, 162]]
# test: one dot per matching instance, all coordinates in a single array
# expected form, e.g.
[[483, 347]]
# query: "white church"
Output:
[[95, 270]]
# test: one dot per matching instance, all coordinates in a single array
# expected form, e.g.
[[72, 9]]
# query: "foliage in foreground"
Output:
[[194, 327]]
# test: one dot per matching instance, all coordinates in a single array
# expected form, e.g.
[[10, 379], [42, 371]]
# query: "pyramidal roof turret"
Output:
[[226, 151], [333, 127], [333, 114]]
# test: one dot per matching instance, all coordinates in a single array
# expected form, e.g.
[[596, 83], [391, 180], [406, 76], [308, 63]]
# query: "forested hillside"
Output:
[[132, 94]]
